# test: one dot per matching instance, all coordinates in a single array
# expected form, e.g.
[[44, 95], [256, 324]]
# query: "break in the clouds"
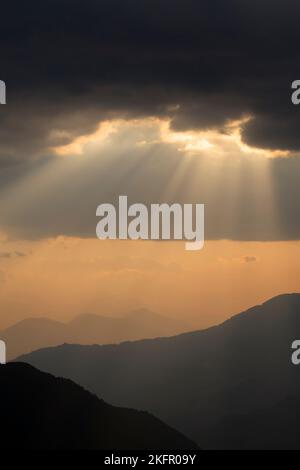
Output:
[[247, 195], [68, 64]]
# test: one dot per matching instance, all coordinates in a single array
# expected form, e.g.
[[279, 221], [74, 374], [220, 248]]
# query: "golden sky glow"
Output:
[[63, 277], [186, 141]]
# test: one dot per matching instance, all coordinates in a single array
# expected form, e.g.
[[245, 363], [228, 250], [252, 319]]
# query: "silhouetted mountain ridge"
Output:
[[39, 411], [35, 333], [236, 368]]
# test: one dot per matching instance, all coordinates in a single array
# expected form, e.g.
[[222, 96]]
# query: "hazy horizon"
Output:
[[65, 277]]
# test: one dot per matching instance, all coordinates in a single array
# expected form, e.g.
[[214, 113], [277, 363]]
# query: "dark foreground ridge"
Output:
[[239, 372], [39, 411]]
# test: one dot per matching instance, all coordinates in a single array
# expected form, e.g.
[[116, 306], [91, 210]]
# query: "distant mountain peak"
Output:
[[88, 328], [293, 296], [194, 381]]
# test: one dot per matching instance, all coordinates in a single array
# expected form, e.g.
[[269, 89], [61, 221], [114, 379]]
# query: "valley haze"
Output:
[[123, 125], [198, 382]]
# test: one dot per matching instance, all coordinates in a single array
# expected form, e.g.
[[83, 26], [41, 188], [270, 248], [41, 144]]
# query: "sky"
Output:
[[173, 101]]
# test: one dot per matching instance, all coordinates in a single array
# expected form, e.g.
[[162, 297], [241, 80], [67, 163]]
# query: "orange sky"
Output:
[[60, 278]]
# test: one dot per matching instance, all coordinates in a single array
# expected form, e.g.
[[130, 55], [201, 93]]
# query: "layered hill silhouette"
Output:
[[39, 411], [198, 381], [35, 333]]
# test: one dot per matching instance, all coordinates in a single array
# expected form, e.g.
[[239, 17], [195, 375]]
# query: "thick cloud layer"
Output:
[[69, 64]]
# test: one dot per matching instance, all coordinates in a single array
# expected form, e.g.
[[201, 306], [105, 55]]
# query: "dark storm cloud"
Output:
[[69, 64]]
